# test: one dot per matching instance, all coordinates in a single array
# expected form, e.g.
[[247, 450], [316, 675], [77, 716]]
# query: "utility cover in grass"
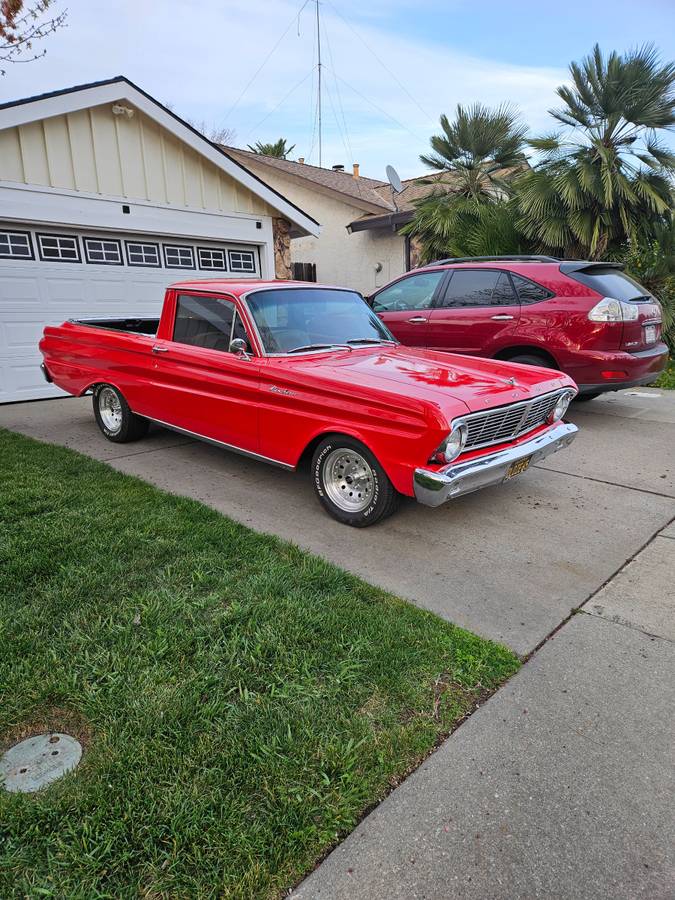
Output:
[[38, 761]]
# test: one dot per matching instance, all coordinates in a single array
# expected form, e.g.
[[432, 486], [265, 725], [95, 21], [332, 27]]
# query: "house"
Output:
[[361, 246], [106, 197]]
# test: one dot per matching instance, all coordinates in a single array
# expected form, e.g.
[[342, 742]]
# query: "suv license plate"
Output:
[[517, 467], [650, 334]]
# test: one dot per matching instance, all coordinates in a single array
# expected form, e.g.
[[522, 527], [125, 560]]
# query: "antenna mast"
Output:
[[318, 47]]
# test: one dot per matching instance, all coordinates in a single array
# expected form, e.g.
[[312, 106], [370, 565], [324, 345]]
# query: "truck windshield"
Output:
[[304, 319]]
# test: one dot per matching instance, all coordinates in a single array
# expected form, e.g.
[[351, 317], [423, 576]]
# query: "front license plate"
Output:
[[650, 334], [517, 467]]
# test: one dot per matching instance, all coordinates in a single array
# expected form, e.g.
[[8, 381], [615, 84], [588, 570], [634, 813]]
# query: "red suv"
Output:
[[588, 319]]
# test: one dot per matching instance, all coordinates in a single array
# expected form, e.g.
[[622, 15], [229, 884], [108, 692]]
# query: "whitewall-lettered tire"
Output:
[[114, 418], [350, 483]]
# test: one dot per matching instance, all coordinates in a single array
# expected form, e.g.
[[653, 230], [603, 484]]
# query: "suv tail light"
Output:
[[611, 310]]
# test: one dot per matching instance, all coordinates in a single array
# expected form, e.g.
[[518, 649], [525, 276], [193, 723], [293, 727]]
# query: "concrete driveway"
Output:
[[509, 563]]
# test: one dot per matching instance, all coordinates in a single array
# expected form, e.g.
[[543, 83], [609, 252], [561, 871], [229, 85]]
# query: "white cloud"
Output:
[[200, 57]]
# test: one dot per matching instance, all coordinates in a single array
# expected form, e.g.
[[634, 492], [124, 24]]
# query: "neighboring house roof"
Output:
[[111, 90], [366, 193]]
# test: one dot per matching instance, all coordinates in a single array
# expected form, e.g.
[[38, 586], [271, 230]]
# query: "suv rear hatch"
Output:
[[624, 301]]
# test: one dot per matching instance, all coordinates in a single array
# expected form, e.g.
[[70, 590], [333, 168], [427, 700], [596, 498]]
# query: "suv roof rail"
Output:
[[515, 257]]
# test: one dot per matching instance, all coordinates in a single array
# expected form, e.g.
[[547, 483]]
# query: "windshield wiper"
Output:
[[319, 347], [370, 341]]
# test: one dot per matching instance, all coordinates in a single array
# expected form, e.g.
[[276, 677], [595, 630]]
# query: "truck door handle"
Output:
[[502, 317], [158, 349], [416, 319]]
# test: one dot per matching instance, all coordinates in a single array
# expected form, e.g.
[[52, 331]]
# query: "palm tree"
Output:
[[277, 149], [606, 179], [474, 160], [478, 149]]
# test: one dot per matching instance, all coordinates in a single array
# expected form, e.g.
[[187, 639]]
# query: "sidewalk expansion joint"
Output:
[[628, 487]]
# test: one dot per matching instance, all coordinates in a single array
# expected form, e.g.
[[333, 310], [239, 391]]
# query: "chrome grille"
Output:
[[495, 426]]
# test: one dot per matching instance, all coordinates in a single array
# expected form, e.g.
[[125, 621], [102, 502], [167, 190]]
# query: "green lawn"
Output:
[[667, 379], [242, 703]]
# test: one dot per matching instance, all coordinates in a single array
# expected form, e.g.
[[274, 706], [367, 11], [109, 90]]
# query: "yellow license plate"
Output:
[[517, 467]]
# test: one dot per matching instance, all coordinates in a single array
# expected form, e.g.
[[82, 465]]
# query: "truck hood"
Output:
[[434, 376]]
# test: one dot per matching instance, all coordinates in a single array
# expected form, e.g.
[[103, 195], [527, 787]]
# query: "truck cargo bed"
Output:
[[131, 326]]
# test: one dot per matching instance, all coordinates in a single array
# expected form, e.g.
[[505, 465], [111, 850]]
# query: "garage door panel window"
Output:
[[16, 245], [241, 261], [143, 254], [212, 259], [58, 248], [478, 287], [178, 257], [207, 322], [105, 252]]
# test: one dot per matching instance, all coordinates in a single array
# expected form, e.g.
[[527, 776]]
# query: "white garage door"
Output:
[[49, 275]]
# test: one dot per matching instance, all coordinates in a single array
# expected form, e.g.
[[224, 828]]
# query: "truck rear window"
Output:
[[612, 283]]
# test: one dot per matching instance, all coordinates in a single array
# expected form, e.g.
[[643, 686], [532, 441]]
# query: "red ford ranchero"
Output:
[[284, 371]]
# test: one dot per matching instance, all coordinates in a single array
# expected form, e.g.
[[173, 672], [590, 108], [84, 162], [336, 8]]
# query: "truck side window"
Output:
[[204, 322]]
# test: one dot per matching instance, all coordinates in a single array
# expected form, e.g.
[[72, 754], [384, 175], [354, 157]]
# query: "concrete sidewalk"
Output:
[[562, 785]]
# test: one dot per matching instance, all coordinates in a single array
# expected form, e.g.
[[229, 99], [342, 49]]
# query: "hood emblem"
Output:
[[511, 381]]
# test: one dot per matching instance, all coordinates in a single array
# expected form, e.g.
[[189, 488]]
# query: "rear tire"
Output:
[[584, 398], [350, 483], [531, 359], [114, 418]]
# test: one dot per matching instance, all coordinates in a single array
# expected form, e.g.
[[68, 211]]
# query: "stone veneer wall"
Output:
[[281, 231]]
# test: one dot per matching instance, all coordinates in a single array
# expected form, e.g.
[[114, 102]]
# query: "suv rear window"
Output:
[[611, 283]]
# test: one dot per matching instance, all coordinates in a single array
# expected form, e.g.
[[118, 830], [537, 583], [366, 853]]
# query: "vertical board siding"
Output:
[[82, 149], [59, 153], [96, 152], [34, 153], [11, 161]]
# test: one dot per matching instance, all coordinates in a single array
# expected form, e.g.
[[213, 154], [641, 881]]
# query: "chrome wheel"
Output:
[[348, 480], [110, 409]]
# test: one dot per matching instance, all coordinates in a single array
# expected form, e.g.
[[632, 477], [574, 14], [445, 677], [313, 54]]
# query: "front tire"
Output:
[[350, 483], [114, 418]]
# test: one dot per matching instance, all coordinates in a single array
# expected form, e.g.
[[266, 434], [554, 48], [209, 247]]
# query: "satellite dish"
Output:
[[393, 179]]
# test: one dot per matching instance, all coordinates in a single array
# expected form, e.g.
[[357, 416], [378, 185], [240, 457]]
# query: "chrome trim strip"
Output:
[[216, 443], [432, 488]]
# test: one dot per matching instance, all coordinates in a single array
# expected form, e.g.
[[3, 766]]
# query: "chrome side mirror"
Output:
[[238, 347]]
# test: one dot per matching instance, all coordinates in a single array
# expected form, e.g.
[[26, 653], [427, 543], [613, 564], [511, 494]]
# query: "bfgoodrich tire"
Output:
[[114, 418], [350, 483]]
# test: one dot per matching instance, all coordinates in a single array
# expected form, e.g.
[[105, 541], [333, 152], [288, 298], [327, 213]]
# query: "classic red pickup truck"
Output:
[[284, 371]]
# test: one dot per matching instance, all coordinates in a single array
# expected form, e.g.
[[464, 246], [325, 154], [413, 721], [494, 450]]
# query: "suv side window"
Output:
[[208, 322], [479, 287], [529, 291], [414, 292]]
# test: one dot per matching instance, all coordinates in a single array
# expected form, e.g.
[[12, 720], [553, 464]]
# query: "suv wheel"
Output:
[[114, 418], [350, 483], [531, 359]]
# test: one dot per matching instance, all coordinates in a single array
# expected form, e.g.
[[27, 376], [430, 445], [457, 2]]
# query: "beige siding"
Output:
[[348, 260], [96, 152]]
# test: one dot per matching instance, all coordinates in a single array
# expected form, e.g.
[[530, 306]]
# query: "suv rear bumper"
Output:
[[632, 369], [432, 488]]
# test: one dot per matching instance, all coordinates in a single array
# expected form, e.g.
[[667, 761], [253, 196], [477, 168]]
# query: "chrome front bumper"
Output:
[[435, 487]]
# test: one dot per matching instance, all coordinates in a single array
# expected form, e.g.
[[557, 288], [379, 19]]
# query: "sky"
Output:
[[390, 67]]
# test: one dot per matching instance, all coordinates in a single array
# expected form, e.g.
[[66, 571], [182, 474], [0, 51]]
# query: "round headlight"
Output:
[[453, 445], [561, 406]]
